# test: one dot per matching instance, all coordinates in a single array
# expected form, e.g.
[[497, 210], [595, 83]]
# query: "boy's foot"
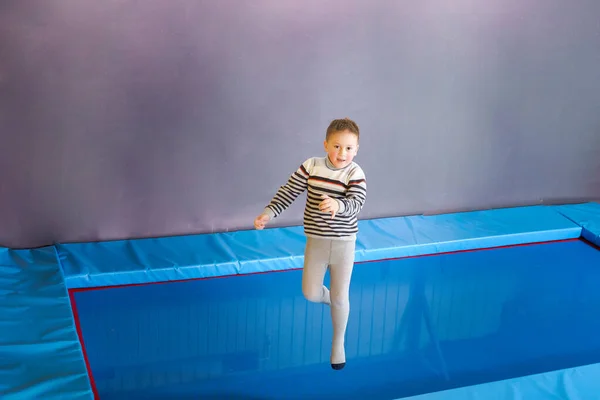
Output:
[[338, 356], [339, 366]]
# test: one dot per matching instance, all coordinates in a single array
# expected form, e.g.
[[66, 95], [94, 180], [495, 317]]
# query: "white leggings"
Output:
[[338, 256]]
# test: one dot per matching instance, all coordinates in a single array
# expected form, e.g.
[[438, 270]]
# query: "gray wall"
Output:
[[128, 119]]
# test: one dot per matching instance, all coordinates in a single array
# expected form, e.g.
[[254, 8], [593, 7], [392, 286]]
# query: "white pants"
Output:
[[338, 256]]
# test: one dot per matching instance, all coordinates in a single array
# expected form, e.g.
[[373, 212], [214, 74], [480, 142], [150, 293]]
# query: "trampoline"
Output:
[[495, 304]]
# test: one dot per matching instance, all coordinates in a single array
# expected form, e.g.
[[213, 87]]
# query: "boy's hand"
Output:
[[329, 205], [261, 221]]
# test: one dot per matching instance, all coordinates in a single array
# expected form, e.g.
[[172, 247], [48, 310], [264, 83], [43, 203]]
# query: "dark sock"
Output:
[[339, 366]]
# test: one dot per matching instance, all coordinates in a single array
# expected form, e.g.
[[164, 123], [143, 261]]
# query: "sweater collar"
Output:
[[333, 167]]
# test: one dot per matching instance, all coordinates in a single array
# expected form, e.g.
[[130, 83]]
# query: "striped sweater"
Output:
[[318, 176]]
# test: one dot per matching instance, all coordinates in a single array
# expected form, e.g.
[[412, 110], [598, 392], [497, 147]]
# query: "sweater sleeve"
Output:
[[356, 194], [285, 196]]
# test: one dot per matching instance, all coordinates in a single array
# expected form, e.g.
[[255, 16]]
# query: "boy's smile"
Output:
[[341, 148]]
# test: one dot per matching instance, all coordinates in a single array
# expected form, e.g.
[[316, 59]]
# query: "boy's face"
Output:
[[341, 147]]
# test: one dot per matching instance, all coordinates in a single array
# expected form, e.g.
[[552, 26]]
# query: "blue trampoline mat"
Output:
[[417, 325], [388, 347]]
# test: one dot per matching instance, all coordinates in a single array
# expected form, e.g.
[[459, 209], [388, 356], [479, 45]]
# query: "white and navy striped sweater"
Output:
[[318, 176]]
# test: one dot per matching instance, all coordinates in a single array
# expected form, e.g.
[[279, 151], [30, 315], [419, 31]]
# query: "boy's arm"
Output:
[[356, 195], [285, 196]]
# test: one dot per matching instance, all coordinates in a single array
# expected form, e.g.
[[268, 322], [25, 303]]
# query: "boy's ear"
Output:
[[325, 145]]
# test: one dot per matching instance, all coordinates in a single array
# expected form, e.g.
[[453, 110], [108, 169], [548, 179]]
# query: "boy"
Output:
[[337, 191]]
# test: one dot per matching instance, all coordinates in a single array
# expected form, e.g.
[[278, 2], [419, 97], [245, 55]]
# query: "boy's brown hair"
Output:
[[339, 125]]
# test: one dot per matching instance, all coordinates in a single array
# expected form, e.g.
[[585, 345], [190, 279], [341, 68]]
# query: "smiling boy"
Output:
[[336, 193]]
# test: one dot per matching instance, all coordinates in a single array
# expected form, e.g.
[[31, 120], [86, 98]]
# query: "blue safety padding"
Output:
[[587, 216], [567, 384], [420, 235], [220, 254], [268, 250], [40, 354], [146, 260]]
